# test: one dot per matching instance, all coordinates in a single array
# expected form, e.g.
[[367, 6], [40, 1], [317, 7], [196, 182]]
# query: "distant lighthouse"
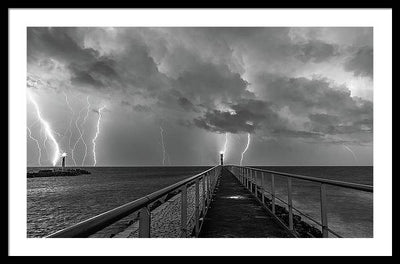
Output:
[[64, 155], [222, 158]]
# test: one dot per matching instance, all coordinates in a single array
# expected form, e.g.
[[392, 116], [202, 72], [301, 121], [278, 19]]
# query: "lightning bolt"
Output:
[[80, 134], [225, 144], [44, 145], [162, 144], [83, 123], [247, 146], [48, 130], [70, 124], [37, 144], [81, 138], [351, 151], [58, 134], [97, 134]]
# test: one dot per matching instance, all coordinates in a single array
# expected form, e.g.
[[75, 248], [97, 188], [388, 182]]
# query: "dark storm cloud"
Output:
[[83, 78], [58, 43], [303, 94], [361, 62], [206, 82], [200, 69], [324, 119], [297, 133], [187, 104], [105, 67], [246, 116], [141, 108], [316, 51], [329, 108], [136, 107], [200, 81]]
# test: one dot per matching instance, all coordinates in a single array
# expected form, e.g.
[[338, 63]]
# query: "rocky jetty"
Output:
[[302, 228], [57, 173]]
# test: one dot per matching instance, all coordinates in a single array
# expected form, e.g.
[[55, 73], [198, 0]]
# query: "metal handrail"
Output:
[[350, 185], [96, 223], [304, 214], [248, 177]]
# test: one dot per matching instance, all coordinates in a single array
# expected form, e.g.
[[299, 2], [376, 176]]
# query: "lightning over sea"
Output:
[[244, 151], [197, 132], [96, 135], [48, 131]]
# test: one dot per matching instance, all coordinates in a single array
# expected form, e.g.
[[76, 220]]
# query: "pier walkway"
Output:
[[235, 212], [222, 201]]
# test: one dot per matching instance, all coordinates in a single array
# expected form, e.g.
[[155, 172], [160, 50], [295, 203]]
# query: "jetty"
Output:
[[57, 173], [224, 201]]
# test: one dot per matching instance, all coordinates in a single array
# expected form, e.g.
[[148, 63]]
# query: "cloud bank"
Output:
[[295, 83]]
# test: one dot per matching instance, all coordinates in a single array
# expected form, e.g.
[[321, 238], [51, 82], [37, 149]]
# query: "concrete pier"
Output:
[[235, 212]]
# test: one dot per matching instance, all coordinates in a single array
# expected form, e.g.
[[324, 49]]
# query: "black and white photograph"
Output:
[[197, 132]]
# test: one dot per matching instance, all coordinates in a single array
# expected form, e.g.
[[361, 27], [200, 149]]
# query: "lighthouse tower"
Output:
[[222, 158], [63, 156]]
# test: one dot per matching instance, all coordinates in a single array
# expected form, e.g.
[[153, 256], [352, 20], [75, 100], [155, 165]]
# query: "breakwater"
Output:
[[57, 173]]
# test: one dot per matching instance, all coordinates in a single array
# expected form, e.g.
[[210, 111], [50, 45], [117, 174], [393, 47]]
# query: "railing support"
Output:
[[197, 207], [204, 195], [324, 213], [144, 222], [290, 206], [252, 181], [247, 178], [183, 211], [209, 188], [255, 184], [273, 192], [262, 187]]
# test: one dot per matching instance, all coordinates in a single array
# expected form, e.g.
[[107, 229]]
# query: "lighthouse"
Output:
[[64, 155], [222, 158]]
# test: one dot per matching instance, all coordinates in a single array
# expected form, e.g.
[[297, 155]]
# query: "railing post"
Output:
[[273, 192], [324, 213], [244, 177], [183, 211], [214, 178], [208, 188], [262, 187], [290, 207], [206, 182], [255, 184], [247, 179], [251, 180], [204, 194], [144, 222], [197, 206]]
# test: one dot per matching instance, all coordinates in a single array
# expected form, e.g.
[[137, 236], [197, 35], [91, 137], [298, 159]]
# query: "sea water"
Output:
[[54, 203]]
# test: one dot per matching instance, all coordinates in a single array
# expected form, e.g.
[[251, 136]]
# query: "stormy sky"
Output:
[[172, 96]]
